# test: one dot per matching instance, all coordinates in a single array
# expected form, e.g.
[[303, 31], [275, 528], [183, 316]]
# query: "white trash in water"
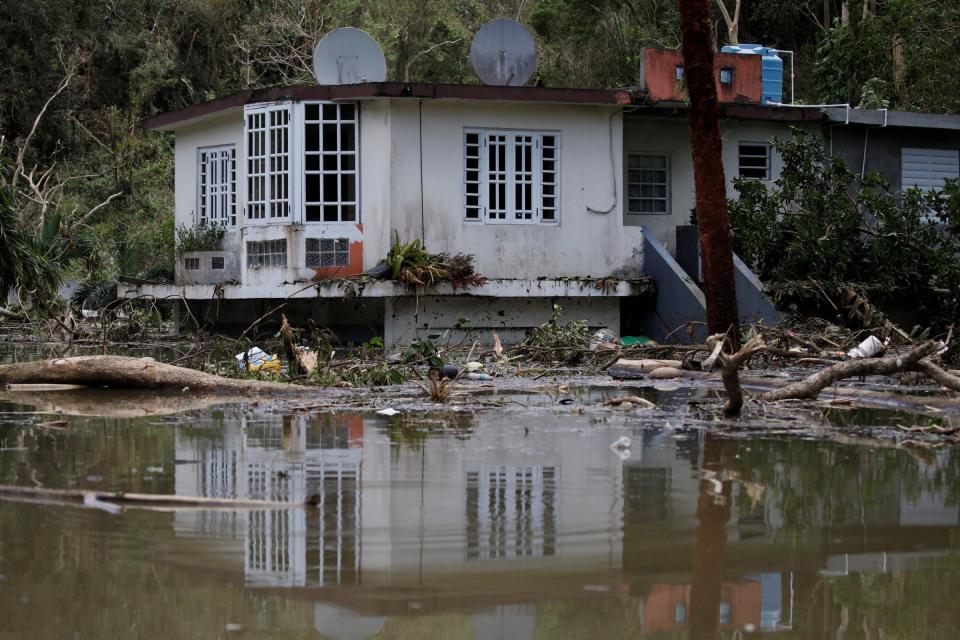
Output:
[[869, 348], [388, 412]]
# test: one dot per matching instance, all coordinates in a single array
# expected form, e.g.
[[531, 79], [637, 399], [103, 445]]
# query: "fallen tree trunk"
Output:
[[812, 385], [121, 372], [15, 492], [13, 315]]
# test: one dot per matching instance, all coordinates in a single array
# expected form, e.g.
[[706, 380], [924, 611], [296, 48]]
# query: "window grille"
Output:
[[754, 160], [511, 177], [330, 162], [217, 263], [648, 184], [268, 164], [217, 193], [266, 253], [327, 252], [191, 264]]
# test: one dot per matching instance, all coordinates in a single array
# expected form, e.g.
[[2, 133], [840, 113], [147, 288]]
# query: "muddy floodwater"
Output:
[[482, 524]]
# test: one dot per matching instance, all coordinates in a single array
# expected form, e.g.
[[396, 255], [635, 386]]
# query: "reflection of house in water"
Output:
[[285, 459], [400, 513], [511, 512]]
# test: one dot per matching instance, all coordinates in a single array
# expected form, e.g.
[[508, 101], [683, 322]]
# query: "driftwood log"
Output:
[[121, 372], [83, 496]]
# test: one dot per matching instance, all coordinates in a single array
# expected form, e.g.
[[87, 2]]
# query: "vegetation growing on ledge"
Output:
[[200, 238]]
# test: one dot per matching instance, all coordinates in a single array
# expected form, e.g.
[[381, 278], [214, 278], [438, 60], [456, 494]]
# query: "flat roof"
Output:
[[372, 90], [884, 117], [625, 97]]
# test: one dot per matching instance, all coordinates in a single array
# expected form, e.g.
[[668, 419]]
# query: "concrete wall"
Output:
[[883, 146], [658, 68], [671, 136], [407, 319], [583, 243]]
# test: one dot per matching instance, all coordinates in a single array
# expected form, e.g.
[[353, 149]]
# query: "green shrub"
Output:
[[200, 238], [820, 235]]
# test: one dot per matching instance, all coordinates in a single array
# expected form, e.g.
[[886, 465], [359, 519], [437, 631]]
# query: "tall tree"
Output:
[[733, 22], [716, 240]]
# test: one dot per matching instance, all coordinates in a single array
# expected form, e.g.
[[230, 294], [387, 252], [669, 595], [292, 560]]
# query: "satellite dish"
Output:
[[503, 53], [348, 56]]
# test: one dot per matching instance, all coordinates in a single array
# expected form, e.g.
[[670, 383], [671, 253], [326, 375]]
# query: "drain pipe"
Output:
[[866, 136]]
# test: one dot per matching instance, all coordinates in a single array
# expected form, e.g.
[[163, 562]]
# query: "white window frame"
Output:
[[667, 169], [217, 200], [769, 157], [276, 210], [509, 174], [300, 128]]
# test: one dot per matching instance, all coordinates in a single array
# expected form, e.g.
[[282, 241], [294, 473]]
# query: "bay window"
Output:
[[301, 162]]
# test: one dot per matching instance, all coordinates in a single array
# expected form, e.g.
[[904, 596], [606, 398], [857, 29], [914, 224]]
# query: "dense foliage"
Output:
[[822, 238], [104, 65]]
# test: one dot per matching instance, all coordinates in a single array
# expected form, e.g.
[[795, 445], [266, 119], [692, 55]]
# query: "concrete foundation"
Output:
[[407, 319]]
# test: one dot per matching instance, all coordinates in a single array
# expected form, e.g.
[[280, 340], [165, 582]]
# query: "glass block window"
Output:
[[191, 264], [217, 185], [267, 140], [266, 253], [754, 160], [648, 183], [511, 177], [330, 162], [327, 252]]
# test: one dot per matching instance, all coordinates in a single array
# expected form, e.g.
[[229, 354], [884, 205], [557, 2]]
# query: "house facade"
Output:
[[562, 196]]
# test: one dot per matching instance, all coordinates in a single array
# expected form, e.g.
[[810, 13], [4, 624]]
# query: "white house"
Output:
[[555, 192]]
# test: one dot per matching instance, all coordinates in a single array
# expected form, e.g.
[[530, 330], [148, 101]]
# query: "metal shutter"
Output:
[[927, 168]]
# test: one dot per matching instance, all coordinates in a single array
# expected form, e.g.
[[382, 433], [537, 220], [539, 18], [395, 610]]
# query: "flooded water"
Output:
[[495, 524]]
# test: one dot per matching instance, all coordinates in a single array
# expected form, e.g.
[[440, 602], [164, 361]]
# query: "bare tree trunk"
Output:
[[845, 13], [826, 14], [899, 70], [733, 24], [716, 241]]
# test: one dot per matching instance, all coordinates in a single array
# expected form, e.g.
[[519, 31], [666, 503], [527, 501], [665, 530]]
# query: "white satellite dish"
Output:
[[503, 53], [348, 56]]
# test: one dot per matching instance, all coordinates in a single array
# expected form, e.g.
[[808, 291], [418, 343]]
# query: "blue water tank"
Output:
[[771, 70]]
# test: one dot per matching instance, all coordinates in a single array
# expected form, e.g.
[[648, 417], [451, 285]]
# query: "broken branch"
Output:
[[812, 385]]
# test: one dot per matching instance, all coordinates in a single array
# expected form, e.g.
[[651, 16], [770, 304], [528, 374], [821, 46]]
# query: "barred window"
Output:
[[327, 252], [217, 263], [266, 253], [267, 139], [191, 264], [511, 177], [217, 188], [754, 160]]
